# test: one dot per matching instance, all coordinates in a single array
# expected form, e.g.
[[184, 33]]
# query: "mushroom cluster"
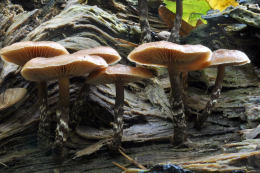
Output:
[[176, 58], [182, 59], [45, 61], [22, 52], [61, 67], [115, 74]]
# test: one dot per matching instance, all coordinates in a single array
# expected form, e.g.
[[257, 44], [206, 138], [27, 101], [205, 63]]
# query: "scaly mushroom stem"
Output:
[[118, 116], [78, 105], [62, 130], [184, 81], [175, 36], [179, 121], [143, 20], [44, 131], [213, 98]]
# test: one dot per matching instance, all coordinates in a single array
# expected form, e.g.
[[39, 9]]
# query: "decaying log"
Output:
[[147, 115]]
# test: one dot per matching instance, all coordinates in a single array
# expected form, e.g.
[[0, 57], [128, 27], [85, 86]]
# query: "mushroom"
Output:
[[111, 56], [119, 75], [220, 59], [177, 58], [11, 96], [20, 53], [61, 67]]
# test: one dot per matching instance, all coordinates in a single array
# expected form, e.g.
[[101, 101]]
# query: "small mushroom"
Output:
[[61, 67], [20, 53], [119, 75], [177, 58], [11, 96], [111, 56], [220, 59]]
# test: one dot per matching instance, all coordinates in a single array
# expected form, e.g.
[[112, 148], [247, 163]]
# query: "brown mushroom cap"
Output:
[[228, 57], [21, 52], [11, 96], [163, 54], [43, 69], [109, 54], [119, 72]]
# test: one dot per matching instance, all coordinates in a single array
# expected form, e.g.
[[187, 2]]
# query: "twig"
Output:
[[132, 160], [143, 20], [120, 166], [175, 36], [92, 148], [125, 43], [3, 164]]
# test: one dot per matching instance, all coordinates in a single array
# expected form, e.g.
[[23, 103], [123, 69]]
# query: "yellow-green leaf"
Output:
[[221, 4], [168, 17], [192, 9]]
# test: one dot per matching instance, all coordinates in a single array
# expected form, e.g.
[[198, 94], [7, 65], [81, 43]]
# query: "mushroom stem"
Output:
[[78, 105], [44, 130], [175, 36], [144, 23], [184, 81], [62, 130], [179, 121], [213, 98], [118, 115]]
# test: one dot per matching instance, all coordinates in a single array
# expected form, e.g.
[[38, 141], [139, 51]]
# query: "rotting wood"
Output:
[[148, 147], [92, 148]]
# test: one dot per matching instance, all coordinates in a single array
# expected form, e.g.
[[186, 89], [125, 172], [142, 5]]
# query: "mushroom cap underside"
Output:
[[118, 73], [228, 58], [109, 54], [11, 96], [21, 52], [163, 54], [44, 69]]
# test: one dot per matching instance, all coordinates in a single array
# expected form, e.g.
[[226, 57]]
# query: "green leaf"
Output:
[[192, 10]]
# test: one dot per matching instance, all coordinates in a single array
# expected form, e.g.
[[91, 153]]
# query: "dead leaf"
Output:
[[168, 17]]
